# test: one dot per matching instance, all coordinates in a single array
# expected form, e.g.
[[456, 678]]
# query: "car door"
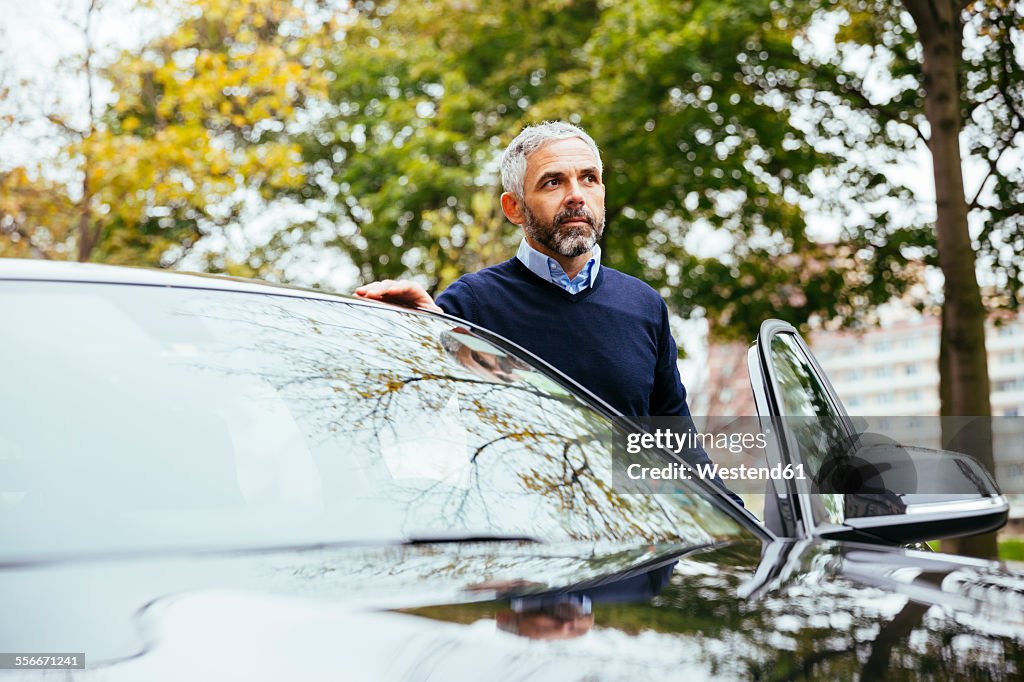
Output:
[[798, 407]]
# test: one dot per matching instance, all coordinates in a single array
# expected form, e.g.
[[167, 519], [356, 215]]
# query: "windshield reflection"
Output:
[[195, 415]]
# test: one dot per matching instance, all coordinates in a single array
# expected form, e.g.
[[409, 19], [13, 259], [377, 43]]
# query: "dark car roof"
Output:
[[66, 271]]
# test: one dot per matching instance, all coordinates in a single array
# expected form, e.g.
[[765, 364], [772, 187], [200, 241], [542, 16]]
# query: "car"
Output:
[[204, 478]]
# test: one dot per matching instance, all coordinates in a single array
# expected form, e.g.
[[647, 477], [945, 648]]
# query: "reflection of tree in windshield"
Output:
[[809, 416], [405, 412]]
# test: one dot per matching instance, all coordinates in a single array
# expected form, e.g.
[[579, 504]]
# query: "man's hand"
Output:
[[399, 292]]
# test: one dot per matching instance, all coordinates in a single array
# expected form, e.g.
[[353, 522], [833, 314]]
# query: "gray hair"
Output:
[[532, 138]]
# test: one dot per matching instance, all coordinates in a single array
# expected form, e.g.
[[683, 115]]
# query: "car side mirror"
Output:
[[904, 494]]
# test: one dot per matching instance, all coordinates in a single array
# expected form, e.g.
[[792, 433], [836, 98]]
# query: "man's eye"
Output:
[[552, 182]]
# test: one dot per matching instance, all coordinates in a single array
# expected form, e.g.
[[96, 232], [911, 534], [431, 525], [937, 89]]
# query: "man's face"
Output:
[[564, 198]]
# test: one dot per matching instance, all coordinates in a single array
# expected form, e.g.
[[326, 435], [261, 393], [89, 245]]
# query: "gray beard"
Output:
[[565, 241]]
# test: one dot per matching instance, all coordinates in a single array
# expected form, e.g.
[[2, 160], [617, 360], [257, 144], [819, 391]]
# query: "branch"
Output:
[[512, 435], [1004, 82], [974, 106], [63, 125], [89, 50], [973, 203], [991, 170], [880, 109], [924, 14], [28, 237]]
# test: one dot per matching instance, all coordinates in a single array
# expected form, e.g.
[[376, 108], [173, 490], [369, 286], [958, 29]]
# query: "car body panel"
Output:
[[743, 610]]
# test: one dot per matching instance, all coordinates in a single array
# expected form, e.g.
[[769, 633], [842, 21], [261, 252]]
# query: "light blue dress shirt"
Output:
[[549, 270]]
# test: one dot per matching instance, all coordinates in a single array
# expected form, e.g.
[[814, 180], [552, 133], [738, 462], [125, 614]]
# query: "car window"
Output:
[[816, 426], [138, 416]]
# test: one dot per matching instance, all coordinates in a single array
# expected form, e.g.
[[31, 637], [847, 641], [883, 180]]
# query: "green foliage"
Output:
[[424, 98], [878, 40], [199, 124], [688, 103], [993, 110], [35, 216], [197, 129], [1011, 549], [387, 119]]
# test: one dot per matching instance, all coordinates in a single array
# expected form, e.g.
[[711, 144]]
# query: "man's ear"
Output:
[[512, 208]]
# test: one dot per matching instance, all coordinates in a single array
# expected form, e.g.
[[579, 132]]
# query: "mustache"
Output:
[[574, 213]]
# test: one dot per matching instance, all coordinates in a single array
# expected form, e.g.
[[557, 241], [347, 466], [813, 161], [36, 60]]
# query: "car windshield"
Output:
[[138, 417]]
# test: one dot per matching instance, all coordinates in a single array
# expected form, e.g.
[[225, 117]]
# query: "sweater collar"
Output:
[[549, 270]]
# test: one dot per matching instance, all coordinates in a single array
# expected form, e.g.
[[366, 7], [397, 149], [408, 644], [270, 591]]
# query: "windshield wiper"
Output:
[[466, 539]]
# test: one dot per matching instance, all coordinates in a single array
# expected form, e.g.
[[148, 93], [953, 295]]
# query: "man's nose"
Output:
[[575, 194]]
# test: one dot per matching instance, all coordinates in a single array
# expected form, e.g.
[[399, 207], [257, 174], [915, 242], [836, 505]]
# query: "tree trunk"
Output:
[[86, 231], [963, 367], [88, 234]]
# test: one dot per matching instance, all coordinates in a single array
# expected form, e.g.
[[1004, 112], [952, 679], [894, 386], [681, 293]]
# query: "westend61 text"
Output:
[[742, 472]]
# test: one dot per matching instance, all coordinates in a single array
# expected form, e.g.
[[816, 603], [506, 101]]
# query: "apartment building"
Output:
[[894, 369], [889, 370], [892, 372]]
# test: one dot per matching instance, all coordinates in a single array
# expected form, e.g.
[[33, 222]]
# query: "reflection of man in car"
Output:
[[483, 359], [564, 618], [570, 614], [605, 329]]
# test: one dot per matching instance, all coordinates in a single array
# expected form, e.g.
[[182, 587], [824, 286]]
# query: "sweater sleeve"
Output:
[[457, 300], [668, 397]]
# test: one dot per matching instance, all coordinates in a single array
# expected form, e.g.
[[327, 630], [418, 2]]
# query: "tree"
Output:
[[26, 206], [197, 130], [682, 98], [963, 362], [40, 216], [949, 94]]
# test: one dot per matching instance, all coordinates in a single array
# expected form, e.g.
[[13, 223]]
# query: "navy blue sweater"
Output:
[[612, 337]]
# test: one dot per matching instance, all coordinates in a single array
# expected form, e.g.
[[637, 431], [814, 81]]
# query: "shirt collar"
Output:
[[549, 270]]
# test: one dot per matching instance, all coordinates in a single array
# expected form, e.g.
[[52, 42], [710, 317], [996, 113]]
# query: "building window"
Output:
[[1011, 412], [884, 371], [910, 369]]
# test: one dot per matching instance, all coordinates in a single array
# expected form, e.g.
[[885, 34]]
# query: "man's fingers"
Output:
[[401, 292], [375, 289]]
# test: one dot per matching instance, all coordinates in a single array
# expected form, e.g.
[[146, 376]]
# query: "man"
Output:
[[607, 330]]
